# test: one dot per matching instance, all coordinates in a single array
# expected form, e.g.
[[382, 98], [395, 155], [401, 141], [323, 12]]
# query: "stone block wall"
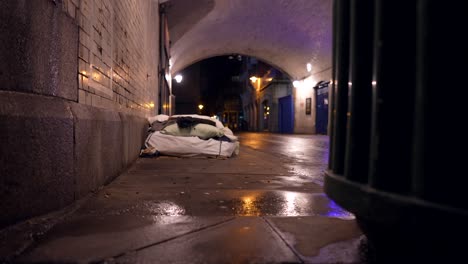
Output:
[[38, 49], [77, 78]]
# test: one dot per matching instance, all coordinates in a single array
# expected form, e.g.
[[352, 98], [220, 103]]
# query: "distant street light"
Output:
[[296, 84], [178, 78], [200, 106]]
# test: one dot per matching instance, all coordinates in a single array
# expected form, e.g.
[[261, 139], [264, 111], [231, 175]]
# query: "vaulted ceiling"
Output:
[[287, 34]]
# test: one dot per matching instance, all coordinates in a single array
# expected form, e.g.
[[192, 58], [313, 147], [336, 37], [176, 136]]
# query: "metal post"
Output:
[[340, 85], [360, 94]]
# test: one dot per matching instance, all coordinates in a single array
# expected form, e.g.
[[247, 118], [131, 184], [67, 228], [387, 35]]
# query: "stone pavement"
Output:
[[264, 206]]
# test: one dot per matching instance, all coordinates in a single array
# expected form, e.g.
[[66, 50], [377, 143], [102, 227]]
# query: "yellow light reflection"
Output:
[[96, 76], [249, 207]]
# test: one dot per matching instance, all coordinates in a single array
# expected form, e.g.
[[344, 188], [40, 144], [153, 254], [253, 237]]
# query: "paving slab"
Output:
[[319, 239], [243, 240], [94, 239]]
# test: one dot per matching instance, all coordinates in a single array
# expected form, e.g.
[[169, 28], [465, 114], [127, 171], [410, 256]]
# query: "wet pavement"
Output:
[[264, 206]]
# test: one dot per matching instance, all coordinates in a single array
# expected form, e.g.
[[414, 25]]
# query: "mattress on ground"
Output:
[[190, 146]]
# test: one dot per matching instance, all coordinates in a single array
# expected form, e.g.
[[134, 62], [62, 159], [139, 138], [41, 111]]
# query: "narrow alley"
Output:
[[265, 205], [349, 116]]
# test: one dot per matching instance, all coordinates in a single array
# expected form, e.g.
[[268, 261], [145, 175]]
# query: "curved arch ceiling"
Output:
[[288, 34]]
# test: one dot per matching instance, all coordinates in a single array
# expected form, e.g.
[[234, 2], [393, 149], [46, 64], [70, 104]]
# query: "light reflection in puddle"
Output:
[[284, 203], [337, 212], [249, 206], [256, 203], [294, 204], [273, 203], [165, 208]]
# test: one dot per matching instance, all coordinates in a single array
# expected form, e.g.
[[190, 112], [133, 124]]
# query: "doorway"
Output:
[[286, 115], [321, 108]]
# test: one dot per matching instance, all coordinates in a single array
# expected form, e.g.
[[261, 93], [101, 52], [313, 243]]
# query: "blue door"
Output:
[[286, 115], [321, 110]]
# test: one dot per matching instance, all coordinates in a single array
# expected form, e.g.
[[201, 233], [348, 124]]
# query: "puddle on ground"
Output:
[[246, 203], [164, 208], [282, 203]]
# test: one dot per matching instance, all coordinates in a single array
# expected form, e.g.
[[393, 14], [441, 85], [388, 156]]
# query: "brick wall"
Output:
[[117, 58]]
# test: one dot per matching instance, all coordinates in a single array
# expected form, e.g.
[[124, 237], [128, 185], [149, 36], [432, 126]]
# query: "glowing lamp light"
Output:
[[296, 84], [151, 105], [178, 78], [253, 79], [309, 67], [200, 106]]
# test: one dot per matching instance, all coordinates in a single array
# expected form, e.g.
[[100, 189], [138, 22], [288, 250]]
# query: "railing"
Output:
[[397, 123]]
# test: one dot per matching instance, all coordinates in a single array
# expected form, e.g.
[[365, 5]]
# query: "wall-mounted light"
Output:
[[96, 76], [309, 67], [178, 78], [253, 79], [296, 84], [200, 106]]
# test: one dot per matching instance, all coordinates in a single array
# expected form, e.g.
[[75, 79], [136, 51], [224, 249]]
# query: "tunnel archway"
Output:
[[286, 34], [228, 54], [234, 89]]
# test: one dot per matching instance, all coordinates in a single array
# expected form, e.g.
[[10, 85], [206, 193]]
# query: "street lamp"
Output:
[[178, 78], [200, 106]]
